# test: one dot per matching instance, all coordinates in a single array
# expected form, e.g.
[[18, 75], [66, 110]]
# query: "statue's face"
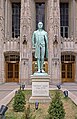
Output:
[[40, 25]]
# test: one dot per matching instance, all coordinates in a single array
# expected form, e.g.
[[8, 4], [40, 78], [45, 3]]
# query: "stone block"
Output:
[[40, 88]]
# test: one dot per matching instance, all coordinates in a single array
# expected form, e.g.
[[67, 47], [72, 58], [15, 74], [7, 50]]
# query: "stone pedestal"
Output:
[[40, 88]]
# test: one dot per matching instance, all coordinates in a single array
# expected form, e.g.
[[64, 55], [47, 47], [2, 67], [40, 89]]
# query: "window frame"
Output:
[[64, 19], [16, 10]]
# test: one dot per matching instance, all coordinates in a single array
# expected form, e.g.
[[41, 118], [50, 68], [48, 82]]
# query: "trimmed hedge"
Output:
[[56, 109], [19, 102]]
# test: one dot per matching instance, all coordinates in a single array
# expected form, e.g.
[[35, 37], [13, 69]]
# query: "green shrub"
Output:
[[19, 102], [56, 110], [76, 117], [11, 117]]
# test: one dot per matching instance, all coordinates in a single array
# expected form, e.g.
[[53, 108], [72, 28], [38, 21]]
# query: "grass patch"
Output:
[[41, 113]]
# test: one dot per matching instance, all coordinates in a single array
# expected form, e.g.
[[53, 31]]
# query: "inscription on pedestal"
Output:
[[40, 88]]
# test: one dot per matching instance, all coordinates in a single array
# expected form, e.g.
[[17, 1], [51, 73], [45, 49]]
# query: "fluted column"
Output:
[[49, 25], [53, 29], [74, 19], [1, 41], [6, 18], [74, 31], [27, 21], [56, 65]]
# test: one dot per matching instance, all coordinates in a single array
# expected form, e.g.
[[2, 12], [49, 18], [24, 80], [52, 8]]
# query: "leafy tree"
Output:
[[19, 101], [56, 110]]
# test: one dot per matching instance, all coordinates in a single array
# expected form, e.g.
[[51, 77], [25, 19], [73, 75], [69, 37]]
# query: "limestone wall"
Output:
[[53, 28], [76, 18], [1, 41], [11, 44], [8, 19], [27, 26], [49, 22]]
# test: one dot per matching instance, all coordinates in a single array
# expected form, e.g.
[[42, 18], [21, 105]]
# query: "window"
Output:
[[40, 13], [64, 19], [67, 58], [16, 19], [12, 58]]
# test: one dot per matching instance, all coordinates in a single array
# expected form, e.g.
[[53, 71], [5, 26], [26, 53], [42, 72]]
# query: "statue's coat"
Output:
[[40, 37]]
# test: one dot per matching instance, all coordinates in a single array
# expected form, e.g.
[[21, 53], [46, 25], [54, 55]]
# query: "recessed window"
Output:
[[40, 13], [16, 19], [64, 19], [67, 58], [12, 58]]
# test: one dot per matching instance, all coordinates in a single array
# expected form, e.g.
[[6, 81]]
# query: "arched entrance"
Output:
[[68, 68], [12, 66]]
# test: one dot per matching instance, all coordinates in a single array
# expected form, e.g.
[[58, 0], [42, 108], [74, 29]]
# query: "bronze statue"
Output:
[[40, 43]]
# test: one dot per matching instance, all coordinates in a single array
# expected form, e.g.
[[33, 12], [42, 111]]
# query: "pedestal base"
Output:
[[39, 99], [40, 88]]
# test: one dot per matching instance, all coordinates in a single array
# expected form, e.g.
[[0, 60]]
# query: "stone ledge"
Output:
[[71, 96], [40, 80], [40, 76], [8, 98], [39, 99], [44, 78]]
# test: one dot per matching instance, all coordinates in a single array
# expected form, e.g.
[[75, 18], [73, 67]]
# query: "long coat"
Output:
[[40, 37]]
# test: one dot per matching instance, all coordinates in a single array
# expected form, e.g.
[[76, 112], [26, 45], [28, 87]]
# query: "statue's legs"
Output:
[[42, 62], [42, 58], [38, 64]]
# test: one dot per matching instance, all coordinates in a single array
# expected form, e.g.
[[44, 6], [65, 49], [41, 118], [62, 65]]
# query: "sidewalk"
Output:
[[7, 88], [72, 87], [7, 91]]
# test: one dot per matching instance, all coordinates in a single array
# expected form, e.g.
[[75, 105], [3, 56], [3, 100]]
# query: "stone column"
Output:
[[74, 31], [1, 41], [6, 18], [9, 10], [53, 28], [25, 40], [49, 26], [76, 70], [56, 75], [74, 19]]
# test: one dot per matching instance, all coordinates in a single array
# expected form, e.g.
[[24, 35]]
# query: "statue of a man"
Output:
[[40, 43]]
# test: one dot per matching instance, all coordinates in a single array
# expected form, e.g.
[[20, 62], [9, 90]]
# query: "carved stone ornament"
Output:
[[24, 40], [55, 40]]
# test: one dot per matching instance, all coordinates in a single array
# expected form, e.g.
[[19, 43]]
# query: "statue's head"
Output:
[[40, 25]]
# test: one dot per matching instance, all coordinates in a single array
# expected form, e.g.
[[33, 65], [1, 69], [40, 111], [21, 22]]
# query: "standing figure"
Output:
[[40, 43]]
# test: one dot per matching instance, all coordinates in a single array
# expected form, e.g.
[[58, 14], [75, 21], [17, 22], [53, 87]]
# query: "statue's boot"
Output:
[[43, 71]]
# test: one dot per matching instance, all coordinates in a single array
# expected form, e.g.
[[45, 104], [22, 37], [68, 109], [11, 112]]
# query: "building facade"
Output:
[[18, 20]]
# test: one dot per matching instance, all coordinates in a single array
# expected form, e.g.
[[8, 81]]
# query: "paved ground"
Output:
[[6, 88], [72, 87]]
